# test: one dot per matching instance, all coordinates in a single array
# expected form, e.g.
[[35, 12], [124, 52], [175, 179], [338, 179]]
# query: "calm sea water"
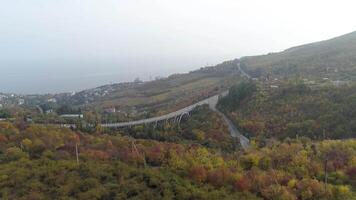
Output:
[[56, 78]]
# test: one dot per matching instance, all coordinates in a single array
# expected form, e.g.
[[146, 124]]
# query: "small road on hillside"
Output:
[[234, 132]]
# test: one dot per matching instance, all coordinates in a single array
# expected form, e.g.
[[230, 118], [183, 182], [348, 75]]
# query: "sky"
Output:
[[50, 46]]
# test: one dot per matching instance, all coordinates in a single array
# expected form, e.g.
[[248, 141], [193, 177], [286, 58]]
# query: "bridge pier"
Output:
[[182, 115]]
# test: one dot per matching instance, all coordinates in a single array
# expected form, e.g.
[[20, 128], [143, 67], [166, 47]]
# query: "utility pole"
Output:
[[77, 152], [325, 173], [137, 152], [325, 166], [324, 135]]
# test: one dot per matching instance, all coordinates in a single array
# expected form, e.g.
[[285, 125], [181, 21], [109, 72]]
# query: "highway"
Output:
[[177, 115]]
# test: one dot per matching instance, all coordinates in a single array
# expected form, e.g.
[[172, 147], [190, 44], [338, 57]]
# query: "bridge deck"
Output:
[[211, 101]]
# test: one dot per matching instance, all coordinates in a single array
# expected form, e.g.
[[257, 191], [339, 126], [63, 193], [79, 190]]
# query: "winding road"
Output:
[[177, 115]]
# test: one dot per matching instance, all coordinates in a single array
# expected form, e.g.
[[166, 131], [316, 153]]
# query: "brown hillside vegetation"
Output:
[[39, 162], [335, 58]]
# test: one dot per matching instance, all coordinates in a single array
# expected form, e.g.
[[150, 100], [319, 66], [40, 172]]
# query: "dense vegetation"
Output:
[[203, 126], [237, 94], [4, 114], [196, 159], [293, 110], [39, 162]]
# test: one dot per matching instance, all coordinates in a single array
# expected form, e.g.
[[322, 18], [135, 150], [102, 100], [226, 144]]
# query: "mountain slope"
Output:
[[335, 58], [161, 93]]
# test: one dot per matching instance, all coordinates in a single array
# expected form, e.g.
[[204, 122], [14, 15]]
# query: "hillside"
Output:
[[293, 110], [301, 134], [127, 100], [39, 162], [331, 61], [137, 97], [334, 58]]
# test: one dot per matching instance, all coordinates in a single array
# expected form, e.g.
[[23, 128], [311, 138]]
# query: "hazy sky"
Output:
[[67, 45]]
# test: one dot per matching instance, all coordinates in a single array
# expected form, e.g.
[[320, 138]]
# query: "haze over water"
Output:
[[76, 76], [69, 45]]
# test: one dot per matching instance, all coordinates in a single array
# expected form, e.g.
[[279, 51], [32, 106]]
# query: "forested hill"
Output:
[[334, 58], [40, 162], [293, 110]]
